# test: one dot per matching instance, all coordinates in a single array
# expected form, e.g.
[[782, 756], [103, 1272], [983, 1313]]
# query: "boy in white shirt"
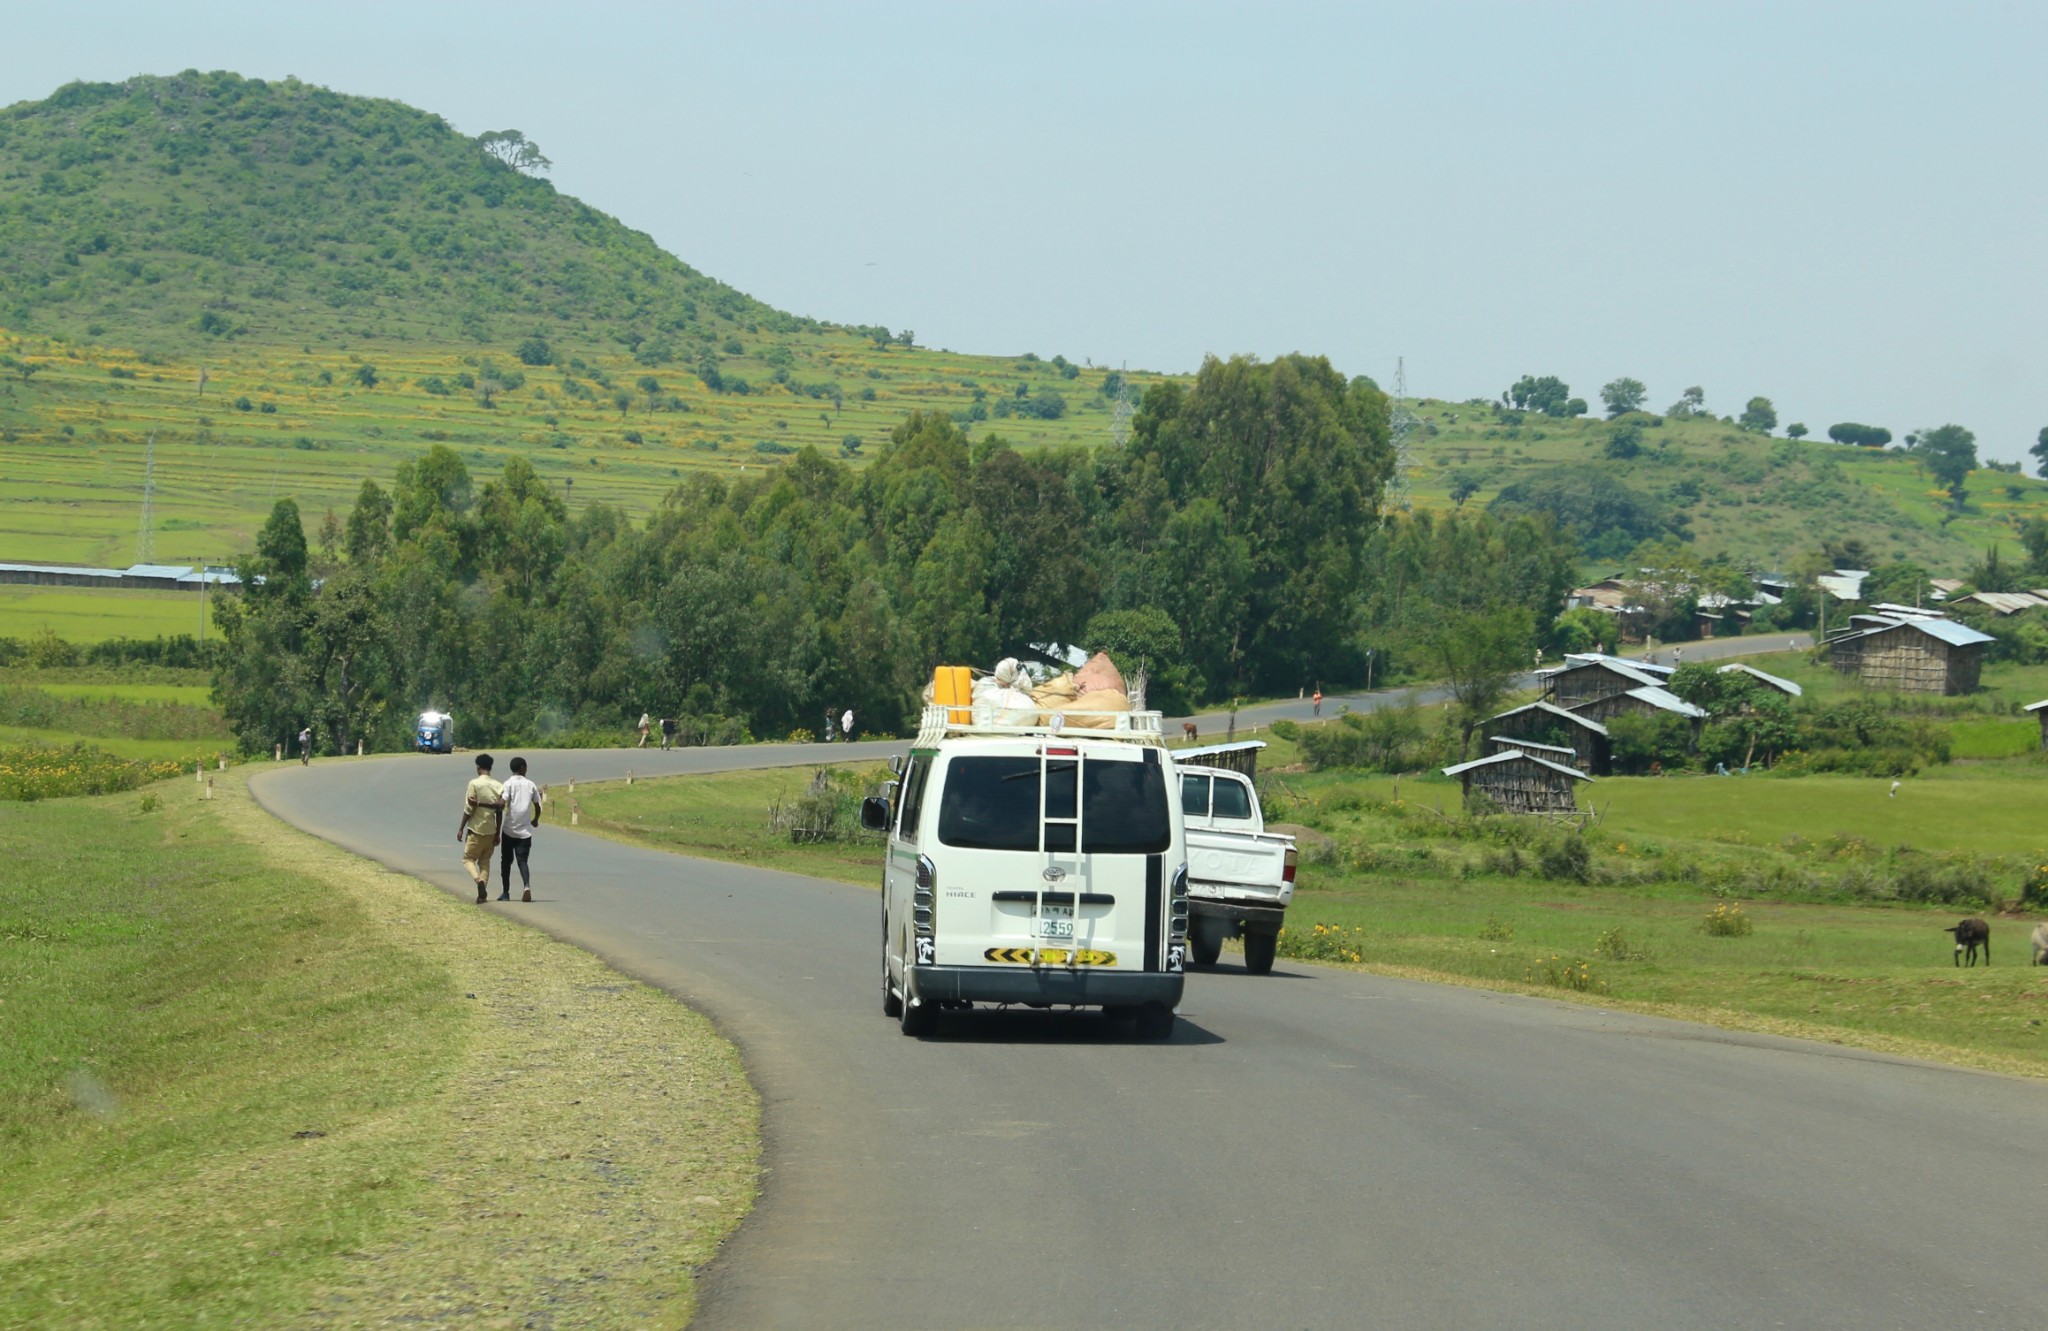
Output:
[[522, 810]]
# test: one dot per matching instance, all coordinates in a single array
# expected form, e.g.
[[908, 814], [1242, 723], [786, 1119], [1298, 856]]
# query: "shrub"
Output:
[[1324, 942], [46, 772], [1493, 931], [1560, 973], [1566, 856], [535, 351], [1614, 946], [1726, 920], [1287, 730]]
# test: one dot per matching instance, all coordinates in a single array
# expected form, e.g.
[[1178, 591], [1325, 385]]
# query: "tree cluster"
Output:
[[1229, 546]]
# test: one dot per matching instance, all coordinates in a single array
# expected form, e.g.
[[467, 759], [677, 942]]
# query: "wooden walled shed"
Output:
[[2039, 711], [1551, 725], [1911, 655], [1588, 677], [1647, 700], [1518, 782]]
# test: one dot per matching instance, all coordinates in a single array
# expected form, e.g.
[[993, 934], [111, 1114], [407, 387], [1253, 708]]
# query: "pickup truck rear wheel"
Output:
[[1205, 939], [1155, 1021], [1259, 950]]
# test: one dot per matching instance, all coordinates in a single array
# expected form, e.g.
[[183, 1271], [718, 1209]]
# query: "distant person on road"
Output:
[[522, 811], [831, 729], [1319, 700], [846, 725], [645, 723], [306, 747], [668, 732], [483, 804]]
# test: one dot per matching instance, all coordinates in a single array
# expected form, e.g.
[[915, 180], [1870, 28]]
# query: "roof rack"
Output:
[[940, 721]]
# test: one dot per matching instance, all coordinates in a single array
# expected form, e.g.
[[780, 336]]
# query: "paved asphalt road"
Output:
[[1314, 1148]]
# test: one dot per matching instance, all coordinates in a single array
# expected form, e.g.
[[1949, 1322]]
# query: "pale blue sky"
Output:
[[1838, 206]]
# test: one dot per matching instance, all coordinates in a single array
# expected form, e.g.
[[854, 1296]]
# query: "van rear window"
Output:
[[992, 804]]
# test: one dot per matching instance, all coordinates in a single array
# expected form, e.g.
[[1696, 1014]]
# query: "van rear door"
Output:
[[1056, 854]]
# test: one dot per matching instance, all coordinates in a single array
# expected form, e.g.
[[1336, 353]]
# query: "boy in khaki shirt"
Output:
[[483, 805]]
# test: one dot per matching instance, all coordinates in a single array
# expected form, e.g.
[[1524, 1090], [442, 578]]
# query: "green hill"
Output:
[[292, 289]]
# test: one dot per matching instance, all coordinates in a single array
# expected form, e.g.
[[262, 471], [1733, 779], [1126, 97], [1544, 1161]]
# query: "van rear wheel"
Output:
[[1259, 950], [1155, 1021], [916, 1018], [892, 1006]]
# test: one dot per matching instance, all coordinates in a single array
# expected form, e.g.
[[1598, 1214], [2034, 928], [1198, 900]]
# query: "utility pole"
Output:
[[145, 545], [1401, 425], [1120, 418]]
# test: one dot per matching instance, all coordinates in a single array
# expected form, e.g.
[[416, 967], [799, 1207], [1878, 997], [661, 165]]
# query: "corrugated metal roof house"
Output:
[[1911, 655], [1517, 782]]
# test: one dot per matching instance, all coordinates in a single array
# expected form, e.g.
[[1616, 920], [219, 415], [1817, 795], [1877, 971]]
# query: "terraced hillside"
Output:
[[291, 289]]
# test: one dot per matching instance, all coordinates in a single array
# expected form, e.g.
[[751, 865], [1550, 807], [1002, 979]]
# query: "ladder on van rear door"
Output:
[[1053, 872]]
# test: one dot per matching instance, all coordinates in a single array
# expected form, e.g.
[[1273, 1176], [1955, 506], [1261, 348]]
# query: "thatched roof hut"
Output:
[[1518, 782]]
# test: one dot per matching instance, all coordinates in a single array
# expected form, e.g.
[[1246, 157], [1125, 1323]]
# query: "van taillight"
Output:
[[1287, 873], [924, 899]]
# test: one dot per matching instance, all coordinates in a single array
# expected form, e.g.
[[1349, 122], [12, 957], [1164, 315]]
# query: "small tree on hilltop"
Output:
[[1760, 417], [1950, 455], [2040, 452], [1692, 402], [1795, 431], [514, 150], [1624, 395]]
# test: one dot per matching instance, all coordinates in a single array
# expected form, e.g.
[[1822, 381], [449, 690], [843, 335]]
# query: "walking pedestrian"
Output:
[[1319, 700], [830, 728], [306, 747], [645, 722], [846, 725], [483, 804], [523, 801], [668, 733]]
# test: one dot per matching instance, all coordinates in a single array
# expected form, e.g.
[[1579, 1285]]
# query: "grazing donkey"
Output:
[[1188, 731], [2040, 941], [1970, 935]]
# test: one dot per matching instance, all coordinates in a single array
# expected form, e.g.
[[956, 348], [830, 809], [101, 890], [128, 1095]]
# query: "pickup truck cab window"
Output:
[[1194, 796], [1233, 800]]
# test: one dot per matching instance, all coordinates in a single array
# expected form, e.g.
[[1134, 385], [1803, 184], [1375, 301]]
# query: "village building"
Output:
[[1648, 700], [1516, 782], [1556, 728], [1589, 676], [2002, 603], [2040, 711], [1910, 655], [136, 577], [1784, 686]]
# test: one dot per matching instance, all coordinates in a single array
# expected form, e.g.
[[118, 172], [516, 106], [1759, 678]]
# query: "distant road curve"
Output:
[[1213, 723], [1316, 1148]]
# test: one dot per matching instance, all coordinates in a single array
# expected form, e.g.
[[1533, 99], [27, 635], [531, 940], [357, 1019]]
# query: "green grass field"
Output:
[[72, 491], [251, 1080], [83, 615]]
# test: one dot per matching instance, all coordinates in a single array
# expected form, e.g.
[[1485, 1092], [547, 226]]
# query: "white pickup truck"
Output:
[[1240, 876]]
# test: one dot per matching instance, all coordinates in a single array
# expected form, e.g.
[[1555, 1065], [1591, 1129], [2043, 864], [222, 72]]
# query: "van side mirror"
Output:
[[874, 814]]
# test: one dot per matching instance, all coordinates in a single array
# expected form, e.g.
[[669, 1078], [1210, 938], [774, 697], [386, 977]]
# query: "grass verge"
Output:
[[254, 1080]]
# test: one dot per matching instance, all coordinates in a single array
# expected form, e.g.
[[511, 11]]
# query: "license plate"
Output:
[[1056, 922]]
